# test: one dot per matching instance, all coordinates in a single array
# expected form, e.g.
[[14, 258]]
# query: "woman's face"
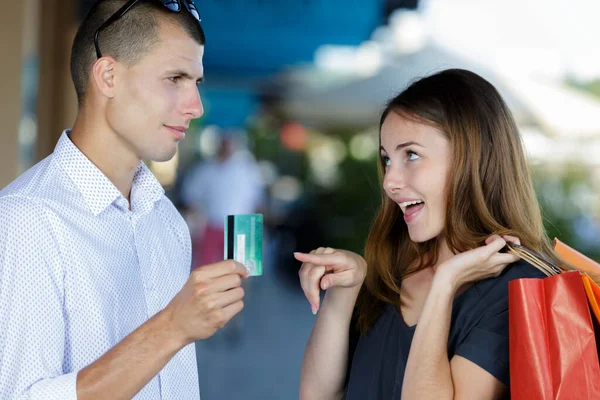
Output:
[[417, 162]]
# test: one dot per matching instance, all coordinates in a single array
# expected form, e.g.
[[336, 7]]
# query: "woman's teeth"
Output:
[[406, 204]]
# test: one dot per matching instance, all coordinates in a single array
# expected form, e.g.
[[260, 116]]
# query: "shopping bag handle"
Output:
[[535, 259]]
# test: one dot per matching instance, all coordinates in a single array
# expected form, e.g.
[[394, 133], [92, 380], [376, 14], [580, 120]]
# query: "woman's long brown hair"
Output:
[[489, 190]]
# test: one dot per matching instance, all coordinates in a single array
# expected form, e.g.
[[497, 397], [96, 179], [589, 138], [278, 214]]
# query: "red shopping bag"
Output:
[[553, 352], [552, 336]]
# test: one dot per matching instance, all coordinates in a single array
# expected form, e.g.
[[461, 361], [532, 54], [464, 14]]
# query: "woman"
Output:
[[428, 317]]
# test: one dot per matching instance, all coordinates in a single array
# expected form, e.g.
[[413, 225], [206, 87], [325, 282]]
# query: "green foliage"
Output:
[[568, 201], [592, 87]]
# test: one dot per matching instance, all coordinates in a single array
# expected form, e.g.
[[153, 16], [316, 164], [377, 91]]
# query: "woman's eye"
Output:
[[386, 161], [412, 155]]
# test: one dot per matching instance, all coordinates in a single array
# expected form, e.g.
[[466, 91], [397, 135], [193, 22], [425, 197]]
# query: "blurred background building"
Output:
[[302, 83]]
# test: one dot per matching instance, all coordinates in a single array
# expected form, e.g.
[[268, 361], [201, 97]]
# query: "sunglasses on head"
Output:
[[171, 5]]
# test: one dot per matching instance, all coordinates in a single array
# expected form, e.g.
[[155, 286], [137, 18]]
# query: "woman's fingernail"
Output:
[[314, 309], [325, 285]]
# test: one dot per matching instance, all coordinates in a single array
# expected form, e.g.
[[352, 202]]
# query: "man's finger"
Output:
[[231, 310], [220, 284], [220, 268], [224, 299]]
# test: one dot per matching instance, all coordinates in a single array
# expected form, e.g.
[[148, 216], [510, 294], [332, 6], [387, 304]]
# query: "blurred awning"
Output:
[[560, 111], [324, 100], [558, 123]]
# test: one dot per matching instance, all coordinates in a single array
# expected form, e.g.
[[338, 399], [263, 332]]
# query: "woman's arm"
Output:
[[429, 373], [325, 362], [326, 356]]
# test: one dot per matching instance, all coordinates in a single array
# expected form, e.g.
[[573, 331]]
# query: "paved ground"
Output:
[[258, 356]]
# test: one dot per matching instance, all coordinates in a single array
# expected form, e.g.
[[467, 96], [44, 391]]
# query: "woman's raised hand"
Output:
[[482, 262], [326, 268]]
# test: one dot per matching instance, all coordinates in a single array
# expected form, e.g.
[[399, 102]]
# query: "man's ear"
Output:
[[103, 76]]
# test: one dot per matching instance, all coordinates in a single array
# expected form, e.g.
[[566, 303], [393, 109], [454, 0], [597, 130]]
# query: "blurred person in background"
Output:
[[228, 183], [96, 299], [425, 314]]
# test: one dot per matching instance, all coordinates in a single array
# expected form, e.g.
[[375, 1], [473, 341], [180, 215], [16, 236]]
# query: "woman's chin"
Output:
[[421, 236]]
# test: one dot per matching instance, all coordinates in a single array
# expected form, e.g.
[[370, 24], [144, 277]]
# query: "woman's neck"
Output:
[[443, 252]]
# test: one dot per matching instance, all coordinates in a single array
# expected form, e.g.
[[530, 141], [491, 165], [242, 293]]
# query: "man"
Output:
[[95, 300]]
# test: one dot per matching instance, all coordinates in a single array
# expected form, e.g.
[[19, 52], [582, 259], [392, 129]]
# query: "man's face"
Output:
[[156, 99]]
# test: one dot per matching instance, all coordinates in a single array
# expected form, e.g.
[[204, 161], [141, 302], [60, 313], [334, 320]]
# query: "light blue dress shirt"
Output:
[[79, 271]]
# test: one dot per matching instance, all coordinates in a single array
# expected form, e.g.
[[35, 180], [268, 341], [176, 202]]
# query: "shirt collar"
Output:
[[97, 190], [146, 190]]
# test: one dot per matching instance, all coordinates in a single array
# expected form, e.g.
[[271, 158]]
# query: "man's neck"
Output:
[[106, 151]]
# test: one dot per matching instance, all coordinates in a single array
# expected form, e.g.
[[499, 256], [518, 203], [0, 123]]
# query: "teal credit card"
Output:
[[243, 241]]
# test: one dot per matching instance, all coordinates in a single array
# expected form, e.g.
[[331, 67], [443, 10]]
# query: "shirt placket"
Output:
[[146, 272]]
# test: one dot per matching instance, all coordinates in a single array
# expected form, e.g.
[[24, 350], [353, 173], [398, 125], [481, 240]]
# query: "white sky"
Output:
[[521, 37]]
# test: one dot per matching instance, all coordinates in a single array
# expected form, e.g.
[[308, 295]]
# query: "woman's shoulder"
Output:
[[486, 302], [497, 288], [521, 269]]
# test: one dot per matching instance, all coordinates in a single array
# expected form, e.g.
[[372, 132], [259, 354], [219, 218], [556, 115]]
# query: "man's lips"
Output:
[[178, 131], [177, 128]]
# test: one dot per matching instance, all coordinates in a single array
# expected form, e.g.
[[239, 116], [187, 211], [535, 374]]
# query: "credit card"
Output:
[[243, 240]]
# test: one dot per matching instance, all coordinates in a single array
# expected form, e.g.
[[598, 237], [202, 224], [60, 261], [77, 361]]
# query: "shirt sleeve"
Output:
[[486, 344], [32, 338]]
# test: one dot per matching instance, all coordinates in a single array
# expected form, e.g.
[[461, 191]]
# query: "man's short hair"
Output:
[[127, 40]]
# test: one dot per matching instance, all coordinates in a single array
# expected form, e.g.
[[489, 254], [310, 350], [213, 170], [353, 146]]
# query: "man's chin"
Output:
[[165, 155]]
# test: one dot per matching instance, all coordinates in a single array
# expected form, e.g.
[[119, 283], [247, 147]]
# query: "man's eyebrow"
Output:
[[184, 75]]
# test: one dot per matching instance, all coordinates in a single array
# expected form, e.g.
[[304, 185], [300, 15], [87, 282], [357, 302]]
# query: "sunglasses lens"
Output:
[[172, 5], [193, 10], [195, 14]]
